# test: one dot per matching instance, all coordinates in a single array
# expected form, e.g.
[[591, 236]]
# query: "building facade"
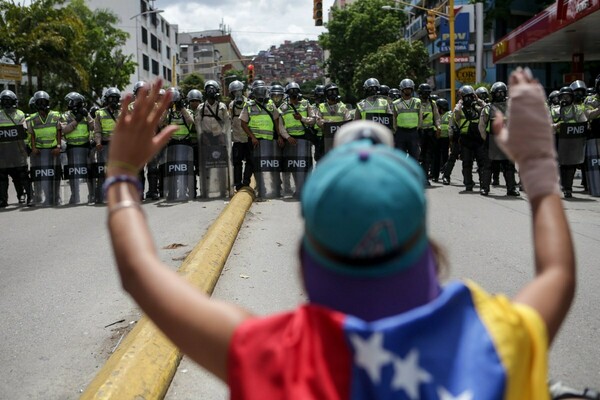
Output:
[[152, 40]]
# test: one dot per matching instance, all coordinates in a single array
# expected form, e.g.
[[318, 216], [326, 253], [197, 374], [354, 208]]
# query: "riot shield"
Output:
[[12, 147], [97, 173], [179, 172], [329, 130], [76, 186], [267, 169], [571, 143], [592, 155], [381, 118], [494, 151], [45, 176], [297, 164], [215, 166]]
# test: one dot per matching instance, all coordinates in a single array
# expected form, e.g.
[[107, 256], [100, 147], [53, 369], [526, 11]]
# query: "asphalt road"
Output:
[[59, 290]]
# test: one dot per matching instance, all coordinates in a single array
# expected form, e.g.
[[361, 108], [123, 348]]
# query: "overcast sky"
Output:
[[255, 25]]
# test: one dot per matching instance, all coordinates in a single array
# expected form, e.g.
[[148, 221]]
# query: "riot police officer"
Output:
[[394, 94], [330, 116], [194, 99], [444, 138], [429, 131], [13, 151], [482, 94], [319, 95], [277, 93], [241, 151], [466, 115], [45, 130], [374, 107], [592, 110], [104, 125], [76, 126], [407, 119], [498, 159], [571, 135], [298, 120]]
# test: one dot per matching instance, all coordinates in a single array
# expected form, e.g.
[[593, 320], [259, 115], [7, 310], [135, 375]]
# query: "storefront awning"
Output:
[[554, 35]]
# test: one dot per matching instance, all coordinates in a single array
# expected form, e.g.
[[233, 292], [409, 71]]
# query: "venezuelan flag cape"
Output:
[[466, 344]]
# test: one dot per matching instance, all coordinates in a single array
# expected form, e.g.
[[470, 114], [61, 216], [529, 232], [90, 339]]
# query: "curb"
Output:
[[144, 364]]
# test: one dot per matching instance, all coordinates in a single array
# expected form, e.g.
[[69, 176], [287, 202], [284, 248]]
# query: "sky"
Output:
[[255, 25]]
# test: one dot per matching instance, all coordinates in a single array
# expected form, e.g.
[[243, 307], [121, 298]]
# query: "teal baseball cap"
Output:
[[364, 210]]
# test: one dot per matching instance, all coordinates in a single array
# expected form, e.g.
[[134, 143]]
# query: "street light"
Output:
[[137, 37]]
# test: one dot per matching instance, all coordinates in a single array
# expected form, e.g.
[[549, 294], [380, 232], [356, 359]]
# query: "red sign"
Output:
[[572, 77], [457, 59]]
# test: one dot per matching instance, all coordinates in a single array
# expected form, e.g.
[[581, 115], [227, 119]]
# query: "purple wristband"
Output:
[[121, 178]]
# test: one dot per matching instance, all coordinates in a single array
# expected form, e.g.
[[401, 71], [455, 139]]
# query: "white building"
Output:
[[152, 40]]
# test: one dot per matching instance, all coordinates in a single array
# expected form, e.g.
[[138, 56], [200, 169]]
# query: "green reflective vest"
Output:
[[182, 132], [408, 113], [107, 122], [293, 126], [444, 124], [380, 106], [46, 134], [80, 135], [261, 124], [427, 110]]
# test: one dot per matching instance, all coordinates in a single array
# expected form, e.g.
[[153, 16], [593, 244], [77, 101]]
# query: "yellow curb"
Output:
[[144, 364]]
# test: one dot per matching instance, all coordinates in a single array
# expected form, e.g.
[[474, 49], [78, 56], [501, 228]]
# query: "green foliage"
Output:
[[67, 48], [191, 81], [392, 63], [355, 32]]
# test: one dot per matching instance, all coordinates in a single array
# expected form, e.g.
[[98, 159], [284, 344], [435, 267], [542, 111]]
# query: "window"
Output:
[[154, 19], [168, 52], [159, 46], [162, 25], [155, 67], [146, 63], [143, 6], [169, 72], [153, 42], [164, 72], [144, 35], [168, 30]]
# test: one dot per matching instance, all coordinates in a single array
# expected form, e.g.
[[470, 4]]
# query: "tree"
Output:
[[191, 81], [356, 31], [392, 63]]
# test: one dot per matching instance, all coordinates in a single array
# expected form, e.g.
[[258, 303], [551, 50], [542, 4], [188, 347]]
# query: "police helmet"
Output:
[[499, 91], [566, 96], [213, 83], [32, 106], [260, 93], [395, 93], [553, 97], [175, 95], [212, 89], [276, 93], [332, 91], [591, 91], [41, 100], [319, 91], [93, 110], [8, 99], [258, 83], [442, 104], [138, 85], [112, 97], [424, 89], [384, 90], [468, 94], [579, 90], [407, 84], [74, 101], [292, 89], [482, 93], [194, 95], [371, 86], [236, 86], [434, 97]]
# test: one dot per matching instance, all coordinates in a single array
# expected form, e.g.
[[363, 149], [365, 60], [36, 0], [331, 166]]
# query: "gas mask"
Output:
[[468, 100], [212, 92], [113, 102], [294, 94], [332, 96], [6, 103], [566, 100], [237, 97], [42, 105]]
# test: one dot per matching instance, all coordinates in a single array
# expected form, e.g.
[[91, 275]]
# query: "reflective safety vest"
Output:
[[570, 114], [107, 122], [7, 119], [408, 113], [427, 110], [380, 106], [46, 134], [333, 115], [490, 111], [292, 125], [445, 123], [80, 135], [466, 122], [261, 124], [182, 132]]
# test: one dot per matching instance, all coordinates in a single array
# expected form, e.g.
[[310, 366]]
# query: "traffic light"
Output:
[[431, 33], [250, 73], [318, 12]]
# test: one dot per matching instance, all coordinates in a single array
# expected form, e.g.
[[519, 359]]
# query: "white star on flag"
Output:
[[446, 395], [408, 375], [370, 354]]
